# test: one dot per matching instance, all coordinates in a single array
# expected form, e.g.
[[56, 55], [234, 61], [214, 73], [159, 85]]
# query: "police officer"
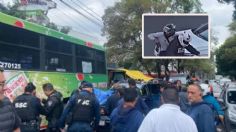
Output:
[[83, 109], [53, 107], [28, 107]]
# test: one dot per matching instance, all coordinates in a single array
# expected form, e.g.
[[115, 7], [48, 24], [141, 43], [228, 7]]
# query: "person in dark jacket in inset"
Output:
[[53, 107], [126, 117], [9, 120], [199, 110]]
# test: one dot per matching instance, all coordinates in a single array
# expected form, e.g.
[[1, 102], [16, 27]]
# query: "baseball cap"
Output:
[[87, 85]]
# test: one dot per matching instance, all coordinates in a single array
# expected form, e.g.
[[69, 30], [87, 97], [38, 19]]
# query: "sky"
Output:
[[81, 26], [220, 17]]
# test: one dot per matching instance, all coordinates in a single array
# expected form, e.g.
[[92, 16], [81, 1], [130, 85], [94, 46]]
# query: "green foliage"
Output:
[[123, 24], [12, 10], [65, 29], [232, 27], [226, 59], [204, 65], [52, 26]]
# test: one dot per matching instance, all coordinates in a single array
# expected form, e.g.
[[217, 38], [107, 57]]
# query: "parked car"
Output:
[[228, 98], [181, 77]]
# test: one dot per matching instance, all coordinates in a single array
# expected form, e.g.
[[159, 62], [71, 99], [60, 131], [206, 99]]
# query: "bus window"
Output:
[[57, 45], [96, 57], [85, 52], [58, 62], [81, 64], [13, 57], [101, 67], [18, 37]]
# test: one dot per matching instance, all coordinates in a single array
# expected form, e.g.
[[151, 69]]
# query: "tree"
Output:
[[52, 26], [13, 11], [232, 27], [122, 27], [65, 29], [225, 57]]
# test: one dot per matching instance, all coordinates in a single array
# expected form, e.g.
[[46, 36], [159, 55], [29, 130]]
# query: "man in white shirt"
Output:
[[169, 117]]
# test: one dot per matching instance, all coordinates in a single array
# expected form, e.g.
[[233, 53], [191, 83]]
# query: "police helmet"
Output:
[[169, 29]]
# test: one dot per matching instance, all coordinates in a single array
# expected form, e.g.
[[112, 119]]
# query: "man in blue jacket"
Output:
[[126, 117], [199, 110]]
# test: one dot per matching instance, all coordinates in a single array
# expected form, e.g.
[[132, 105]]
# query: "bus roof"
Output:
[[17, 22]]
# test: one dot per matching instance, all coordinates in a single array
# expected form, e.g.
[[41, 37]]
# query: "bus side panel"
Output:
[[63, 82]]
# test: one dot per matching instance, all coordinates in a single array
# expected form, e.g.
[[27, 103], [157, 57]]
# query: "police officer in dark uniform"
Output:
[[83, 109], [53, 107], [28, 107]]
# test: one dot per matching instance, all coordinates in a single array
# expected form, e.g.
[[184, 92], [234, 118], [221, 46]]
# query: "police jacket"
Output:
[[9, 120], [85, 103], [28, 107], [53, 107], [176, 49]]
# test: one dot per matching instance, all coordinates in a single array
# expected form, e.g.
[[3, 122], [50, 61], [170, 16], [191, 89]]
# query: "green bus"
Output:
[[33, 53]]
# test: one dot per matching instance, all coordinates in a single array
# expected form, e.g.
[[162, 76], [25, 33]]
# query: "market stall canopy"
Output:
[[137, 75]]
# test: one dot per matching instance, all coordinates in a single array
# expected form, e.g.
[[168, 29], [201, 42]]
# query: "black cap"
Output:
[[87, 85]]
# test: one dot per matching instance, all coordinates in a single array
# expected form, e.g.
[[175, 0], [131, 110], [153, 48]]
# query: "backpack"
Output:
[[215, 114]]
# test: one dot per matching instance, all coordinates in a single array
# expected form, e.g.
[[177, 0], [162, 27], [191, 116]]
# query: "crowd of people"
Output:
[[190, 109]]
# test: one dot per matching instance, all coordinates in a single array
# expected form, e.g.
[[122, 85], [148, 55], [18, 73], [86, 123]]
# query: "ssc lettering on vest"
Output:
[[83, 102], [21, 105]]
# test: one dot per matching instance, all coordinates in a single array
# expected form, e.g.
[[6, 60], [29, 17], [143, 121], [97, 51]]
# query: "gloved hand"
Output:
[[44, 101]]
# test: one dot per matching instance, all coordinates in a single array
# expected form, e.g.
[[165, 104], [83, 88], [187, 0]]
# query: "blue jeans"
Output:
[[80, 127]]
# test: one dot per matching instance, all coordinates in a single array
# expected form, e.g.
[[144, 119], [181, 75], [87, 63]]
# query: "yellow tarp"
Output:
[[134, 74]]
